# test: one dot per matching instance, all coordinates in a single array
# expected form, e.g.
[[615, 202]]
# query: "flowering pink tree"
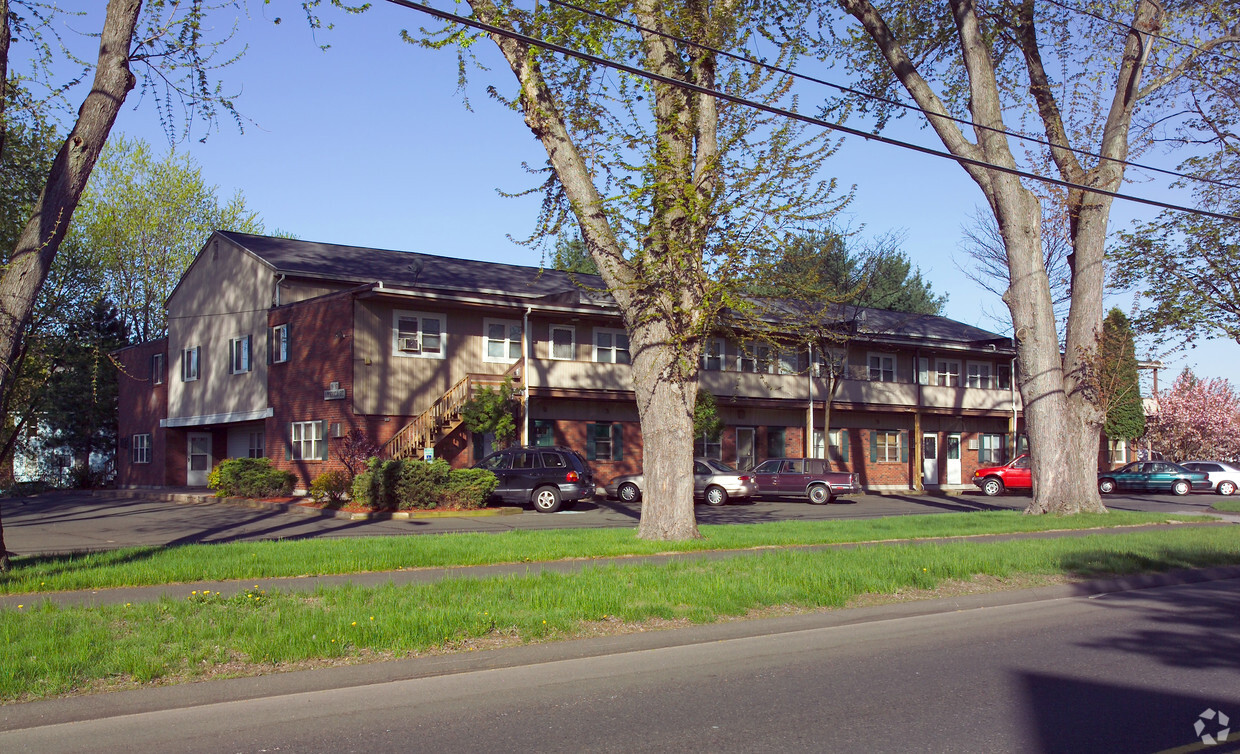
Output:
[[1197, 419]]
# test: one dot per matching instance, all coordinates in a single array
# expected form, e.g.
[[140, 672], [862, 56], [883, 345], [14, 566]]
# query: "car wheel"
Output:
[[819, 494], [1226, 488], [992, 486], [628, 492], [1106, 486], [1181, 487], [716, 495], [547, 499]]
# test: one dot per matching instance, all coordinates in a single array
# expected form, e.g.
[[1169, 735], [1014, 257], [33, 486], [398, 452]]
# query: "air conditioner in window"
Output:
[[408, 344]]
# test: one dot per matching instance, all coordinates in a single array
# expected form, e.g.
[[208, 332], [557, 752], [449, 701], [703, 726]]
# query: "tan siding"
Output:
[[225, 294]]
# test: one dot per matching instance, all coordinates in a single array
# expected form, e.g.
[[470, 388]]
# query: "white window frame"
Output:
[[418, 350], [945, 375], [279, 344], [507, 344], [157, 368], [714, 352], [881, 370], [888, 452], [826, 359], [240, 355], [141, 448], [303, 435], [614, 349], [257, 444], [991, 449], [974, 376], [572, 342], [757, 358], [707, 447], [191, 363]]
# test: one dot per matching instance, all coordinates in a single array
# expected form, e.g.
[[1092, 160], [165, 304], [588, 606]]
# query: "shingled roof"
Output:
[[415, 271]]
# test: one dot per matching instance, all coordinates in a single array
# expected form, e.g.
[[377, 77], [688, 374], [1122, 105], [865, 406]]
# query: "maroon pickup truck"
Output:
[[803, 477]]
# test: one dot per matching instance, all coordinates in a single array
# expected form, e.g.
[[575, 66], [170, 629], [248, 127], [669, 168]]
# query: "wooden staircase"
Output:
[[444, 416]]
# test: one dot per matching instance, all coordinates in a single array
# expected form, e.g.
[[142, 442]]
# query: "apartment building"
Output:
[[280, 348]]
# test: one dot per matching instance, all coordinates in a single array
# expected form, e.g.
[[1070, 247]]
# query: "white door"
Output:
[[198, 459], [953, 459], [930, 458], [745, 458]]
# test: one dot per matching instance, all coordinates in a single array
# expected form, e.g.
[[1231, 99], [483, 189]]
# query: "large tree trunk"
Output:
[[31, 260]]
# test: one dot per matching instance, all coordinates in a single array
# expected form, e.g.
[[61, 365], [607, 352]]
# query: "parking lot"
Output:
[[76, 521]]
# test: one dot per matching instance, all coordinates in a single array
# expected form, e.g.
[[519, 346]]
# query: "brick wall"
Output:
[[142, 403]]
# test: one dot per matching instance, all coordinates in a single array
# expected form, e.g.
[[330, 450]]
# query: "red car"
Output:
[[1015, 475]]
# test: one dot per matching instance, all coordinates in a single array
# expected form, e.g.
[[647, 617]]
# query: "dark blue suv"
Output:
[[549, 477]]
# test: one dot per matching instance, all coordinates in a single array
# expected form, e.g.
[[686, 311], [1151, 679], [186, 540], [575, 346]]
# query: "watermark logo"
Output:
[[1216, 720]]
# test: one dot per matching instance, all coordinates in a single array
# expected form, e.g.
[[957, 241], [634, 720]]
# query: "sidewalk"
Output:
[[124, 595]]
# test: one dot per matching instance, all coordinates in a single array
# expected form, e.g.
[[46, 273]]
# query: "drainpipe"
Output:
[[809, 431], [525, 381], [1012, 392], [275, 295]]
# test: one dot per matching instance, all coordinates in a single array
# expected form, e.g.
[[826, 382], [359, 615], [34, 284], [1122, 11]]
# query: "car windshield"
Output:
[[1021, 463], [497, 461]]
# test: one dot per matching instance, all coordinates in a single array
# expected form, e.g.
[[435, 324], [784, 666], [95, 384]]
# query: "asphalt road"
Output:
[[65, 522], [1038, 671]]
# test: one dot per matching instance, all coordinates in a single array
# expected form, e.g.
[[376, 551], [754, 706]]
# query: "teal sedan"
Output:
[[1153, 476]]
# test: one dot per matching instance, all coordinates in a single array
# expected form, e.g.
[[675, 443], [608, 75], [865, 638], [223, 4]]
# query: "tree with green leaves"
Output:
[[143, 219], [972, 69], [570, 255], [493, 410], [675, 191], [1118, 384]]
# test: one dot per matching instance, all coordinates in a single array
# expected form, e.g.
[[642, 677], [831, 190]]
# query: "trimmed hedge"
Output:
[[250, 477], [412, 484]]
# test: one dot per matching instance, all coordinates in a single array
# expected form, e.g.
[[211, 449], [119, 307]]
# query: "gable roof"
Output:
[[427, 272]]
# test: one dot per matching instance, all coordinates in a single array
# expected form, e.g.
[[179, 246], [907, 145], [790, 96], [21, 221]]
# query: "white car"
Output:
[[1224, 477]]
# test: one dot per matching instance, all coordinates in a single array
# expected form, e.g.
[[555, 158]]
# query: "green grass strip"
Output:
[[46, 650], [145, 566], [1229, 506]]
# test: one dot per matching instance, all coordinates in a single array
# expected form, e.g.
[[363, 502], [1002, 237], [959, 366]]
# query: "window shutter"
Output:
[[323, 434], [617, 444], [873, 446], [591, 455], [844, 445], [904, 446], [271, 345], [288, 442]]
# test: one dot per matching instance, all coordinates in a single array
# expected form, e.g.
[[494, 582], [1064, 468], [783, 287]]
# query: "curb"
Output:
[[195, 498]]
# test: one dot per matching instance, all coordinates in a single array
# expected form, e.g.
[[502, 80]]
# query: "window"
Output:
[[603, 442], [501, 340], [712, 355], [544, 433], [979, 375], [756, 359], [279, 344], [990, 450], [882, 368], [418, 335], [886, 446], [611, 346], [239, 355], [831, 362], [838, 449], [948, 373], [709, 446], [791, 362], [306, 441], [776, 442], [141, 449], [257, 445], [157, 369], [189, 364], [1003, 376], [563, 342]]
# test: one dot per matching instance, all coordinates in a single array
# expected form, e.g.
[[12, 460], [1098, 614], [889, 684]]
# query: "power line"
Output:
[[635, 71], [1128, 27], [885, 100]]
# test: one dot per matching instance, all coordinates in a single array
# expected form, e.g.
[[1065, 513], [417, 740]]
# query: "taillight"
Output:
[[572, 477], [744, 479]]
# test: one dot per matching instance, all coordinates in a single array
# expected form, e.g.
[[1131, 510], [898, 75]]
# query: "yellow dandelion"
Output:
[[126, 604], [354, 623], [194, 592], [19, 607], [372, 617]]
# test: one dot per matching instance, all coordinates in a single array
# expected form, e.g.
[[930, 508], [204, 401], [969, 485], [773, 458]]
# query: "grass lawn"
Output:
[[1228, 506], [47, 650]]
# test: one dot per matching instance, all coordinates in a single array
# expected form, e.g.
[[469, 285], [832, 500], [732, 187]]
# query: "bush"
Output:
[[250, 477], [419, 483], [330, 487], [468, 488]]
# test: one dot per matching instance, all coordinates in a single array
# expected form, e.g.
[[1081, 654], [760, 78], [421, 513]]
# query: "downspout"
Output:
[[809, 431], [1012, 392], [275, 295], [525, 381]]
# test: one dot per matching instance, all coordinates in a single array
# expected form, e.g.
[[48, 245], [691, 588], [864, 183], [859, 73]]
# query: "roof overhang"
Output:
[[208, 419]]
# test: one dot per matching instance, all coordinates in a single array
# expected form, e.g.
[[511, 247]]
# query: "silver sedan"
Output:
[[714, 482], [1224, 477]]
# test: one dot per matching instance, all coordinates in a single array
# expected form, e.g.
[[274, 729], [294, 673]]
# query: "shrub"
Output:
[[250, 477], [330, 487], [419, 484], [468, 488]]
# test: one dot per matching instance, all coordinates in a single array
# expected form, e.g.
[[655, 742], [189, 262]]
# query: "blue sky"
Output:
[[368, 143]]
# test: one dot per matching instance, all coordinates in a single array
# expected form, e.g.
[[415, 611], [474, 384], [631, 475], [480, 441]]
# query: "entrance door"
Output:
[[745, 457], [953, 459], [930, 458], [198, 459]]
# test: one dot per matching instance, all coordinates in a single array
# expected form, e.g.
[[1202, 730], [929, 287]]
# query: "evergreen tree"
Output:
[[1118, 387]]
